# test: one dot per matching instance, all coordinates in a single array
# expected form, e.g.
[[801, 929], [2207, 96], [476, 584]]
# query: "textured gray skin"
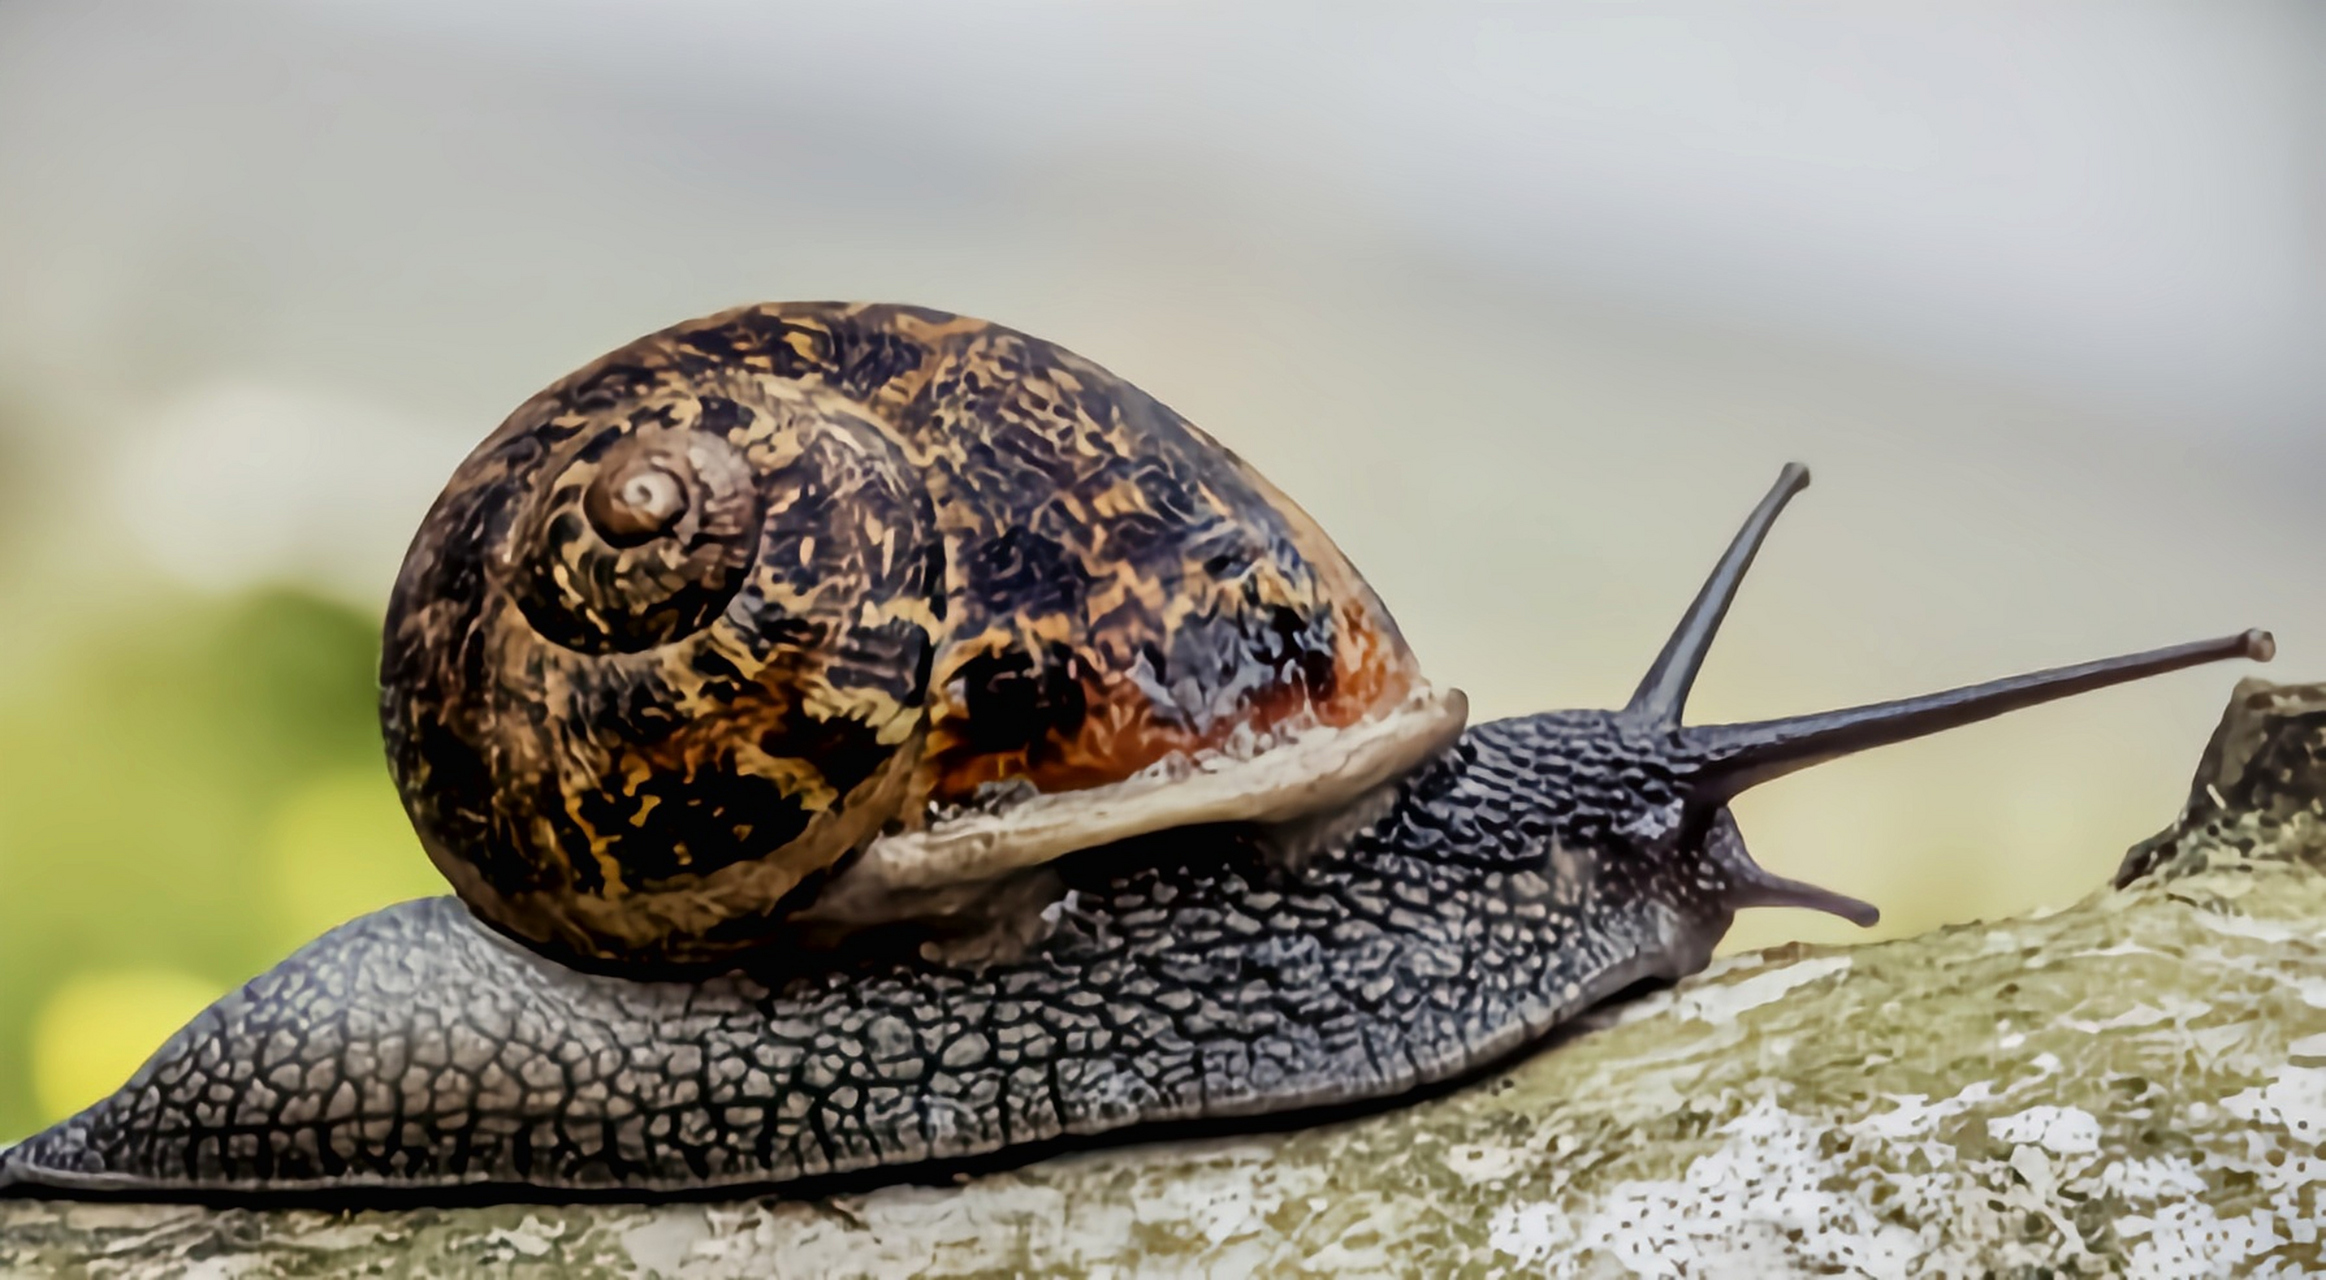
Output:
[[1539, 868]]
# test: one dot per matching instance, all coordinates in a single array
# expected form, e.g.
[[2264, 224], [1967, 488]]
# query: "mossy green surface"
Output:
[[2135, 1086]]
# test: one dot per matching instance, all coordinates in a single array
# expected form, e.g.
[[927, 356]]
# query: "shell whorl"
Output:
[[658, 653], [702, 619], [645, 536]]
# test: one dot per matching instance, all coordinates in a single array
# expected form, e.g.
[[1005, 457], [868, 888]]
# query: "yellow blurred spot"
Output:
[[338, 847], [97, 1028]]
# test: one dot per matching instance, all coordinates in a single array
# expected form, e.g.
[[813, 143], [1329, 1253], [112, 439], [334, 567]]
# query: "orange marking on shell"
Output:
[[1122, 732]]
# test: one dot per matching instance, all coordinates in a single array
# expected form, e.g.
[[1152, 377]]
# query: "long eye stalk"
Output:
[[1747, 755], [1663, 693], [1736, 756]]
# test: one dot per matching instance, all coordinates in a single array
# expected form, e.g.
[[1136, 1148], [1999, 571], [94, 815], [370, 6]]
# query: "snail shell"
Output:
[[834, 607]]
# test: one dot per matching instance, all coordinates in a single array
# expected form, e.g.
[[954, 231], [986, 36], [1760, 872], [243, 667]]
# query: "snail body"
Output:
[[737, 666]]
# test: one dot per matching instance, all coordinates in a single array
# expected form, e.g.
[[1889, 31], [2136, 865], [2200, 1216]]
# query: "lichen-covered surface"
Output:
[[2134, 1086], [2260, 790]]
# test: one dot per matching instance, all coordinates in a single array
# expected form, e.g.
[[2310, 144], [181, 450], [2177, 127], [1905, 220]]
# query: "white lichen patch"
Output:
[[1487, 1163], [1748, 1206], [2142, 1014], [2259, 929], [530, 1239], [2295, 1102], [1720, 1003], [2063, 1131], [2189, 1239], [2165, 1178]]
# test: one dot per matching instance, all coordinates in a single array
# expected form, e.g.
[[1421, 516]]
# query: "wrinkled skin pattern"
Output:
[[703, 617], [1541, 867]]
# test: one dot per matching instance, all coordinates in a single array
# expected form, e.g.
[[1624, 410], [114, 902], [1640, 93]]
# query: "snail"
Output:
[[867, 741]]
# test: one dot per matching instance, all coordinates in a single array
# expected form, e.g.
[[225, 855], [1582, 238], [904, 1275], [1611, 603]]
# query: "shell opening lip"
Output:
[[1299, 772]]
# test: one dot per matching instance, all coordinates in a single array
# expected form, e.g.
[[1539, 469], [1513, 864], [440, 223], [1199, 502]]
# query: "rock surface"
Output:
[[2135, 1086], [2260, 790]]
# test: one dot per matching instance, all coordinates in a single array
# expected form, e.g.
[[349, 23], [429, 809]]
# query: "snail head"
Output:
[[1645, 781]]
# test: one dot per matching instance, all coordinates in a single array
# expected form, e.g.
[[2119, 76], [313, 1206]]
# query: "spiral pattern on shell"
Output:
[[644, 538]]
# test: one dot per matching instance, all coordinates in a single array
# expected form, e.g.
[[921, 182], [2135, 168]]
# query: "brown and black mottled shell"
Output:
[[759, 591]]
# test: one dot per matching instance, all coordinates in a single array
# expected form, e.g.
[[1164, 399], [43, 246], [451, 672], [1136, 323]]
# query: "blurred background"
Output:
[[1527, 304]]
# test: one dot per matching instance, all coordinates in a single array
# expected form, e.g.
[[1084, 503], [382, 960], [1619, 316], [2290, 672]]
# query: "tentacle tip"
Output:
[[1759, 888], [1794, 478], [1857, 911], [2260, 645]]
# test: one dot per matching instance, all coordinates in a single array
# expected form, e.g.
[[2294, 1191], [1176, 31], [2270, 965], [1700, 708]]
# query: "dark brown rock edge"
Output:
[[2259, 793]]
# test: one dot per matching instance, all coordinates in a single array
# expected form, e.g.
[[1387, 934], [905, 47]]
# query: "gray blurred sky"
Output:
[[1526, 303]]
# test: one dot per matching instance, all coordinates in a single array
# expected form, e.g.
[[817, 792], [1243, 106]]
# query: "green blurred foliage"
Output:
[[154, 784]]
